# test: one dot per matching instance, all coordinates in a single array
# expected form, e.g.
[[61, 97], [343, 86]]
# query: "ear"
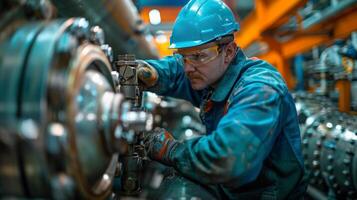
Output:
[[230, 52]]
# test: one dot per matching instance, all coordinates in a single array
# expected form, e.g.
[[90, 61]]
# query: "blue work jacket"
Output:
[[252, 148]]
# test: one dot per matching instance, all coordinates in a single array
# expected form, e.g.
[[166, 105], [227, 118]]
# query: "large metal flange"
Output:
[[69, 65], [49, 69], [90, 69]]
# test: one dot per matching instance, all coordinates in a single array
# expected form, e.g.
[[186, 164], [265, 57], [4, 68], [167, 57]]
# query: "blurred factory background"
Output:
[[66, 126]]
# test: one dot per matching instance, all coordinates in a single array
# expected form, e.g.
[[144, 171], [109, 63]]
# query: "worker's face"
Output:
[[205, 66]]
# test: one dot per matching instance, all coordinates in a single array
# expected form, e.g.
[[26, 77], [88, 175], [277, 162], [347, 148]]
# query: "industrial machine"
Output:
[[329, 147], [328, 120], [64, 125], [72, 117]]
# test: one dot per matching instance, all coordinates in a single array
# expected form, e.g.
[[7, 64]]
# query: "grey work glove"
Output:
[[147, 74], [159, 144]]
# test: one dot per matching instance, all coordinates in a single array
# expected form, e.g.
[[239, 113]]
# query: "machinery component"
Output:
[[15, 13], [311, 107], [132, 166], [120, 20], [311, 143], [63, 121], [178, 187], [331, 65], [178, 116], [329, 136], [128, 79], [126, 66], [59, 111], [325, 10], [329, 147], [318, 72], [338, 61], [339, 151], [332, 73]]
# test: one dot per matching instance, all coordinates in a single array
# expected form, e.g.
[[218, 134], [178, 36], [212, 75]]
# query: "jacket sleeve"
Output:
[[235, 151], [173, 81]]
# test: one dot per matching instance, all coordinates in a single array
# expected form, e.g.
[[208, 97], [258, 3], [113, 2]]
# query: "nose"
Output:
[[189, 68]]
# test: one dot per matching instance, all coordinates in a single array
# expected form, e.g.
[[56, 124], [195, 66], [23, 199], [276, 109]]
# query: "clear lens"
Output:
[[199, 57]]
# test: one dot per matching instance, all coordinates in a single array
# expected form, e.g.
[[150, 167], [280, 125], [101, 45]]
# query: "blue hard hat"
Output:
[[202, 21]]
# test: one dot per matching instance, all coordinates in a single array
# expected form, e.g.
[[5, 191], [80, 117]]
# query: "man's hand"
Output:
[[158, 144], [147, 74]]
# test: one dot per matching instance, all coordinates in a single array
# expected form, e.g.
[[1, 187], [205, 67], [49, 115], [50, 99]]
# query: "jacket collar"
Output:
[[229, 78]]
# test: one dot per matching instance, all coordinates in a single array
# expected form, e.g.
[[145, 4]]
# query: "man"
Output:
[[252, 146]]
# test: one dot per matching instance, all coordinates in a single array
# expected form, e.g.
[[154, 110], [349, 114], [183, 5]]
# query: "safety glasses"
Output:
[[198, 57], [205, 54]]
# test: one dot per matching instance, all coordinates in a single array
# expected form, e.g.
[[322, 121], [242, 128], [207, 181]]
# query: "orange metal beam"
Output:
[[263, 17], [302, 44], [339, 28], [277, 10], [344, 26]]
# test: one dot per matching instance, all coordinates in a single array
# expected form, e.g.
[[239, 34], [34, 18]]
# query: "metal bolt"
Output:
[[115, 76], [29, 129], [315, 163], [80, 28], [130, 184], [97, 35], [330, 157], [108, 52]]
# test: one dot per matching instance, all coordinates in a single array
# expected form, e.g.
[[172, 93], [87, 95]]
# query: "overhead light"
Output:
[[154, 17]]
